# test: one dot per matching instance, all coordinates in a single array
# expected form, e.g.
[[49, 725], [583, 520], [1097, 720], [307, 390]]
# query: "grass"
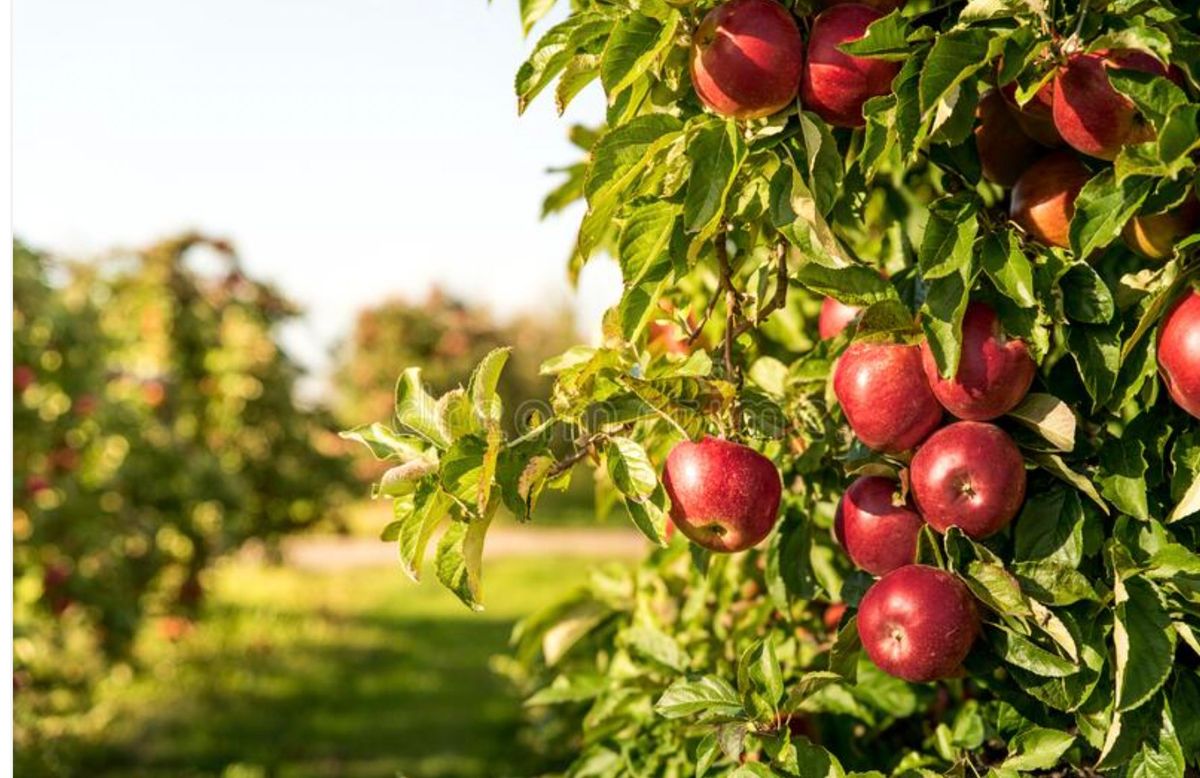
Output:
[[353, 673]]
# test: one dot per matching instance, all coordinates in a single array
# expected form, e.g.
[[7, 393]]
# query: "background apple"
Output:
[[747, 56], [1154, 235], [918, 623], [994, 371], [1005, 151], [834, 84], [1179, 352], [1091, 116], [1043, 199], [968, 475], [878, 534], [883, 391], [835, 317], [724, 496]]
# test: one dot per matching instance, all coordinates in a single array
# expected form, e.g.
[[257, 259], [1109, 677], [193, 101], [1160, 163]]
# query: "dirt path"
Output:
[[334, 552]]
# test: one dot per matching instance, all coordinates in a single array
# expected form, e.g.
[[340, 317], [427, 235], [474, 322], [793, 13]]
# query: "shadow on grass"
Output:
[[328, 694]]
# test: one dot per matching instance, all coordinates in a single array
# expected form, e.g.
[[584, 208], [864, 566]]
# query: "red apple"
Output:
[[1043, 199], [994, 371], [1154, 235], [835, 85], [878, 532], [1091, 116], [724, 496], [1005, 151], [747, 56], [883, 391], [833, 615], [918, 623], [968, 475], [1036, 117], [1179, 352], [835, 317]]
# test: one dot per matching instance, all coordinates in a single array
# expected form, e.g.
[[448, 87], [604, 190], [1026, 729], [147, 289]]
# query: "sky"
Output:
[[353, 150]]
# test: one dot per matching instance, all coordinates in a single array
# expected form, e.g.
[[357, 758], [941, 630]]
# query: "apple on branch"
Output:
[[724, 496], [1092, 116], [1043, 199], [884, 393], [835, 84], [969, 475], [1179, 352], [747, 56], [918, 623], [876, 528]]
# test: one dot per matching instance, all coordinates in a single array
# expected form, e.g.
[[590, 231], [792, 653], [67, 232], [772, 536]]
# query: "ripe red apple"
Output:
[[918, 623], [1005, 151], [877, 533], [1036, 117], [835, 317], [747, 56], [1043, 199], [1091, 116], [1179, 352], [994, 371], [724, 496], [968, 475], [835, 85], [883, 391], [1154, 235]]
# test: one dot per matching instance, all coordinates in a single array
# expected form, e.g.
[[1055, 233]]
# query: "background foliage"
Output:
[[155, 429], [744, 665]]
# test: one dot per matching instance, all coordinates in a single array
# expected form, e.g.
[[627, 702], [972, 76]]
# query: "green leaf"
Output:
[[1122, 476], [717, 151], [886, 38], [1008, 268], [708, 697], [825, 166], [1102, 208], [649, 514], [581, 70], [1143, 641], [385, 443], [1027, 655], [1053, 582], [483, 384], [630, 468], [955, 56], [418, 411], [1050, 527], [946, 248], [1054, 464], [417, 527], [532, 11], [1185, 475], [459, 559], [1086, 298], [636, 41], [646, 239], [1049, 417], [1097, 353], [655, 645], [554, 50], [1037, 748], [403, 479], [852, 284], [942, 314], [1155, 96]]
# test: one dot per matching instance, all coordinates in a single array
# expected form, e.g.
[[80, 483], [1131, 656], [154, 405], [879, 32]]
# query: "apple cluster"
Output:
[[749, 61], [918, 622]]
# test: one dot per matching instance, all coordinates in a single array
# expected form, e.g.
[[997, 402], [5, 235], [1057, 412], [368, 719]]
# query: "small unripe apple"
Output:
[[1043, 199], [835, 84], [969, 475], [918, 623], [835, 317], [1154, 235], [1179, 352], [1005, 151], [1091, 116], [724, 496], [878, 533], [994, 371], [883, 391], [747, 56], [1035, 117]]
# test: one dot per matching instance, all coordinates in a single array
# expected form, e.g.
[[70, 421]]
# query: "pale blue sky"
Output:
[[352, 149]]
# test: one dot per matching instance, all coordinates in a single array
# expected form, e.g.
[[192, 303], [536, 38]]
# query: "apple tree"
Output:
[[922, 464]]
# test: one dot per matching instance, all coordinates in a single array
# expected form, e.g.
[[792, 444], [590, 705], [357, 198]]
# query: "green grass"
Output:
[[353, 673]]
